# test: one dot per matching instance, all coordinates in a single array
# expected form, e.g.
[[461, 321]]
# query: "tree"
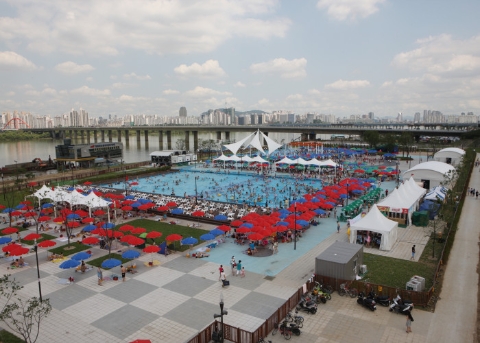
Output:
[[180, 144], [406, 140], [23, 316], [372, 138], [389, 141]]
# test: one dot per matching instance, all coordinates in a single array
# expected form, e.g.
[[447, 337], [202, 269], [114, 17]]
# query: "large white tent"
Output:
[[375, 221], [451, 156], [432, 173], [254, 140]]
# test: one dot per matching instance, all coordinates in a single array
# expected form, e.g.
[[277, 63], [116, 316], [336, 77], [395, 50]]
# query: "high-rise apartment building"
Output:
[[182, 112]]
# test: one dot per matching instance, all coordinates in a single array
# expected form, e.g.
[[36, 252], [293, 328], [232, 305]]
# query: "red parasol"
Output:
[[91, 240], [126, 208], [97, 231], [173, 237], [243, 230], [138, 230], [127, 202], [256, 236], [171, 204], [9, 230], [163, 208], [87, 183], [65, 212], [198, 214], [73, 224], [151, 249], [46, 244], [59, 219], [281, 228], [154, 234], [111, 234], [26, 202], [145, 207], [81, 213], [32, 184], [30, 214], [19, 251], [99, 213], [236, 223], [10, 247], [224, 228], [132, 240], [88, 220], [126, 227], [44, 219], [15, 213], [32, 236]]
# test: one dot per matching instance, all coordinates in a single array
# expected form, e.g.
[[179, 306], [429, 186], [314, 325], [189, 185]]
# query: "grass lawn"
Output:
[[75, 247], [167, 229], [394, 272], [98, 261], [7, 337]]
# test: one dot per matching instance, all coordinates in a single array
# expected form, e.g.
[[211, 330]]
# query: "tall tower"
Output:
[[183, 112]]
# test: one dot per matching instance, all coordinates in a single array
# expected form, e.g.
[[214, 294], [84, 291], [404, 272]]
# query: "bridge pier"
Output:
[[102, 136], [219, 136], [304, 137], [195, 141], [70, 133], [312, 136], [82, 138], [127, 137], [187, 140], [119, 135], [227, 136], [169, 140], [110, 138], [88, 136], [75, 136], [160, 140], [95, 136], [146, 139], [138, 139]]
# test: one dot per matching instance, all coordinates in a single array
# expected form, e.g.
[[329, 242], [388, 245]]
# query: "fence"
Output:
[[237, 335]]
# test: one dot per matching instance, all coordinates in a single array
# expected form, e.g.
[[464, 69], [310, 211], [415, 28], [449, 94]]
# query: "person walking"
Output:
[[233, 264], [413, 252], [409, 321], [239, 267], [242, 273], [338, 226], [124, 271], [100, 276], [221, 271]]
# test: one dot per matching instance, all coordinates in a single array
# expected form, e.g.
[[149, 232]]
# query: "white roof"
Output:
[[161, 153], [328, 162], [286, 160], [457, 150], [439, 167], [256, 142]]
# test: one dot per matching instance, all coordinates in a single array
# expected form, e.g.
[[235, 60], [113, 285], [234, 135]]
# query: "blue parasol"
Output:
[[8, 210], [220, 217], [216, 232], [130, 197], [247, 225], [108, 226], [177, 211], [69, 264], [144, 201], [207, 237], [189, 241], [89, 228], [4, 240], [82, 255], [111, 263], [73, 216], [136, 204], [47, 205], [319, 211], [131, 254], [302, 222], [70, 189], [282, 223]]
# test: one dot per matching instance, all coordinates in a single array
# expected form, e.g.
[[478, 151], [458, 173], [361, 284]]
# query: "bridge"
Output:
[[306, 131]]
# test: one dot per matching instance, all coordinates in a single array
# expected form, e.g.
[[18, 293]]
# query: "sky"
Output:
[[339, 57]]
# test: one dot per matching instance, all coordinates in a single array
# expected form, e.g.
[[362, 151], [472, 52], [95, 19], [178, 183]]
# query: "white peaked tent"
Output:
[[286, 160], [254, 140], [375, 221], [329, 163], [259, 159]]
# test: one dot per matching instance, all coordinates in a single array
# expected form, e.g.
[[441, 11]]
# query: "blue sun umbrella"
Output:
[[8, 210], [177, 211], [111, 263], [283, 215], [144, 201], [247, 225], [282, 223], [319, 211], [108, 226], [73, 216], [284, 211], [302, 222], [69, 264], [130, 197], [5, 240], [47, 205], [207, 237], [189, 241], [136, 204], [82, 255], [220, 217], [89, 228], [131, 254], [21, 206], [70, 189], [216, 232]]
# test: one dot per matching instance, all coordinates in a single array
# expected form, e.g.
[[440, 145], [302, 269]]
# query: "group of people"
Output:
[[18, 263]]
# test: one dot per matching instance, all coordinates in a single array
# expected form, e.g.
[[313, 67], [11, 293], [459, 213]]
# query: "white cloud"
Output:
[[287, 69], [349, 9], [129, 98], [160, 27], [209, 69], [239, 84], [89, 79], [85, 90], [123, 85], [202, 92], [443, 55], [11, 60], [136, 77], [344, 85], [170, 92], [71, 68]]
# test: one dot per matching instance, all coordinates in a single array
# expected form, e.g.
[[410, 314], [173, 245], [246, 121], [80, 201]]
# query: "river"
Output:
[[26, 151]]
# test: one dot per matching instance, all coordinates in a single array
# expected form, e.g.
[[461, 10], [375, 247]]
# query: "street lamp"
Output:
[[3, 183], [347, 193], [196, 196], [35, 247], [222, 313], [295, 225], [398, 176], [124, 178]]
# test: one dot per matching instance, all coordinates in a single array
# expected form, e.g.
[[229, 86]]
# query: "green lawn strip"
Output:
[[167, 229], [75, 247], [45, 237], [395, 272], [98, 261], [7, 337]]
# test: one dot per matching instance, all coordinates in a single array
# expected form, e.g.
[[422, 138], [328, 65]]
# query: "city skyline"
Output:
[[338, 57]]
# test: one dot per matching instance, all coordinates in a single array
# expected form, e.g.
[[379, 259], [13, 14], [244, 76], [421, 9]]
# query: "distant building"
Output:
[[182, 112], [371, 115], [87, 155]]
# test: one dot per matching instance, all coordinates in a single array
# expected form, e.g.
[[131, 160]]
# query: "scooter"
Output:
[[383, 300], [292, 327], [307, 306], [317, 290], [368, 303], [399, 306]]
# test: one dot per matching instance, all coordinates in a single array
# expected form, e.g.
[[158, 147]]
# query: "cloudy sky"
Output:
[[327, 56]]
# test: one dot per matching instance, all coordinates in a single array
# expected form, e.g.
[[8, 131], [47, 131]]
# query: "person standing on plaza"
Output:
[[100, 276], [409, 322], [233, 264], [239, 267], [338, 226], [413, 252], [221, 271], [124, 271], [242, 272]]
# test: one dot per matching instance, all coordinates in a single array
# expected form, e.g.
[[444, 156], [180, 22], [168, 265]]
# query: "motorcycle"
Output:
[[383, 300], [317, 290], [293, 328], [307, 305], [366, 302], [400, 306]]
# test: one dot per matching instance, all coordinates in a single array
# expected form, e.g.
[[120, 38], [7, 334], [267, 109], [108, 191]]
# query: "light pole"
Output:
[[295, 225], [347, 193], [35, 247], [3, 184], [222, 313], [196, 195], [125, 178], [398, 176]]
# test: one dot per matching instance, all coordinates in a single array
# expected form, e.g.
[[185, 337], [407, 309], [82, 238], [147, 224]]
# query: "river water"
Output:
[[26, 151]]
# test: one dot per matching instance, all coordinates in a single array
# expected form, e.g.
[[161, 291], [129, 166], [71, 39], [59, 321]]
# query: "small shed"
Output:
[[341, 260]]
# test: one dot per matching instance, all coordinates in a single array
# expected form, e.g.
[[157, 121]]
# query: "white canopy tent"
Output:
[[375, 221], [451, 156], [254, 140], [432, 173]]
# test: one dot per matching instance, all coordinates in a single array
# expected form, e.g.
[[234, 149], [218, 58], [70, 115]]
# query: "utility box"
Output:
[[413, 285], [420, 280], [340, 260]]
